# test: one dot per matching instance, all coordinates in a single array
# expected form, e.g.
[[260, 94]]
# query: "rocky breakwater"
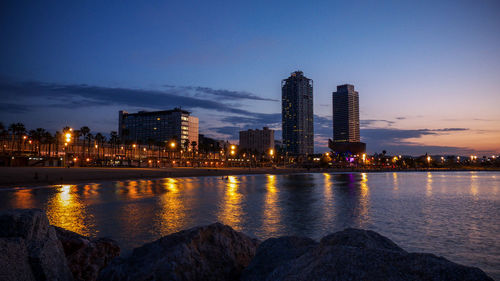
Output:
[[352, 254], [212, 252], [217, 252], [32, 249]]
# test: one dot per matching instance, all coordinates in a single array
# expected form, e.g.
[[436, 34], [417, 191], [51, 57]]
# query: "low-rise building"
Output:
[[158, 126], [260, 141]]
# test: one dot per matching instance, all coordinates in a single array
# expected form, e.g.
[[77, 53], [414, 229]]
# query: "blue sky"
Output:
[[427, 71]]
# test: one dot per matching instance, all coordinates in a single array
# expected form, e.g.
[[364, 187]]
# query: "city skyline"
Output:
[[429, 80]]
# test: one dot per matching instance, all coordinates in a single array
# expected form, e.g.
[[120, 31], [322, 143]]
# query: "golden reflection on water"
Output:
[[364, 200], [428, 186], [91, 189], [231, 213], [473, 185], [173, 209], [24, 199], [328, 210], [395, 181], [271, 223], [65, 209]]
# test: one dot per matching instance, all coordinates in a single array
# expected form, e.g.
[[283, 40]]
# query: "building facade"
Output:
[[260, 141], [345, 114], [158, 126], [346, 137], [297, 114]]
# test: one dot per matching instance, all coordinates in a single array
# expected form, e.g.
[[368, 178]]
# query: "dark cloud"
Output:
[[77, 96], [449, 130], [238, 95], [13, 108], [395, 140], [371, 122], [256, 119], [401, 118], [232, 131], [391, 135]]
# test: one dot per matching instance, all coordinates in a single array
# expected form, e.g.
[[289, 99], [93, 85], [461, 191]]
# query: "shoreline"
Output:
[[22, 177]]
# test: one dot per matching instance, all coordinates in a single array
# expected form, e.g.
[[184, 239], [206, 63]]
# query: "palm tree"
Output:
[[57, 137], [77, 134], [193, 147], [114, 140], [100, 139], [3, 135], [89, 138], [48, 139], [84, 131], [36, 136], [18, 130]]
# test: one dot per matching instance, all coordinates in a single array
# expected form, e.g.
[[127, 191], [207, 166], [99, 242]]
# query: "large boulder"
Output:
[[213, 252], [85, 256], [355, 254], [275, 252], [26, 236], [14, 260]]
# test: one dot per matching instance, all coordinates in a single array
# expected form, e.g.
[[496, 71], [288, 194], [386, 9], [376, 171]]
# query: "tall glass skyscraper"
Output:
[[345, 114], [297, 114], [346, 121]]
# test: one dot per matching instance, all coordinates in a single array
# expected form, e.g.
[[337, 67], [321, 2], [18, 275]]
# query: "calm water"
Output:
[[453, 214]]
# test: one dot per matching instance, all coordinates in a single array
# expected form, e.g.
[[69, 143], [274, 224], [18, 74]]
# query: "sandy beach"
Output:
[[40, 176]]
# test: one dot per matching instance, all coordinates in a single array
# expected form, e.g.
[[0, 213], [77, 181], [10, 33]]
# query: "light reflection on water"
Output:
[[66, 209], [231, 210], [455, 215]]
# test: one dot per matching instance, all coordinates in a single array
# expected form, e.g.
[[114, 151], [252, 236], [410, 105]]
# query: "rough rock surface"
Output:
[[85, 256], [14, 261], [355, 254], [213, 252], [27, 237], [275, 252]]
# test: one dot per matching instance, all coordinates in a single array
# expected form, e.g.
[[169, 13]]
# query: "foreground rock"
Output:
[[85, 256], [213, 252], [29, 248], [351, 254]]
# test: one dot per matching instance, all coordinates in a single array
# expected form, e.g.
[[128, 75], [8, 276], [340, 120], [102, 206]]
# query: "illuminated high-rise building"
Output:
[[345, 114], [297, 114], [346, 136]]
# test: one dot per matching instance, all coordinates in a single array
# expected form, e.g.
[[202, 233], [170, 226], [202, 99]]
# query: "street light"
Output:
[[67, 137]]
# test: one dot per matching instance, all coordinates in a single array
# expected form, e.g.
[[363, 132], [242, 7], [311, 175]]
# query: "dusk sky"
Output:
[[427, 72]]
